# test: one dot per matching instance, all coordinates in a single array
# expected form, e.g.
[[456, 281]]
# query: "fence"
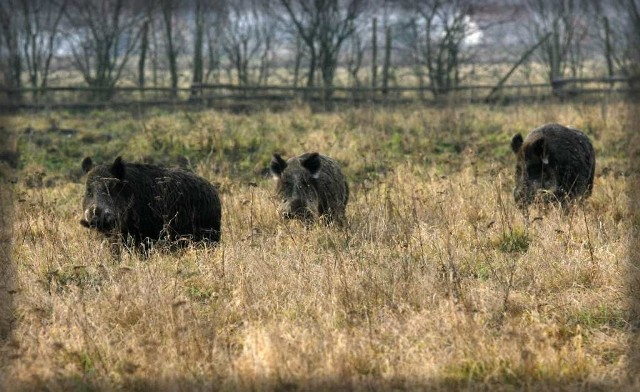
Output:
[[227, 95]]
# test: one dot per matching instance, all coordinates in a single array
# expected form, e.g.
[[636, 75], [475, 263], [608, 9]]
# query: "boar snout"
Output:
[[297, 209], [101, 219]]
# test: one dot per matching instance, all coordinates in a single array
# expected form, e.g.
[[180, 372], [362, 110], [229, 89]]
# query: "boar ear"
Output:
[[277, 165], [87, 165], [539, 148], [516, 143], [312, 163], [117, 168]]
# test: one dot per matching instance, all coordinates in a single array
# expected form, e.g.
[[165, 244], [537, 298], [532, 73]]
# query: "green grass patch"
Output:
[[598, 317], [199, 293], [514, 241], [60, 279]]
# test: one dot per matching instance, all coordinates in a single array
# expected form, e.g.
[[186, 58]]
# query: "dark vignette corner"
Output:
[[633, 276], [8, 163]]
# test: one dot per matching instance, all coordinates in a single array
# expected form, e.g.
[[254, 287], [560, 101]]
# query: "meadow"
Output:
[[436, 281]]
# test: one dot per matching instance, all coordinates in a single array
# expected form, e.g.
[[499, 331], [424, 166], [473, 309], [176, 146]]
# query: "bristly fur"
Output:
[[555, 159], [310, 186], [146, 202]]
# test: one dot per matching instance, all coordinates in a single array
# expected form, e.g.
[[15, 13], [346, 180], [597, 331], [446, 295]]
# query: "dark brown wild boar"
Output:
[[144, 203], [310, 186], [554, 163]]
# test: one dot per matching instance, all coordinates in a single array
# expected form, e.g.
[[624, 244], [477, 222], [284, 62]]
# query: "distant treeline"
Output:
[[363, 44]]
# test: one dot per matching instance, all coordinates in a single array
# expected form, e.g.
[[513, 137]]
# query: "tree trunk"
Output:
[[329, 61], [144, 46], [555, 53], [13, 69], [198, 70], [354, 62], [311, 73], [263, 76], [297, 62], [244, 62], [387, 61], [50, 46], [374, 53], [15, 73], [214, 62], [154, 58], [607, 47], [167, 12]]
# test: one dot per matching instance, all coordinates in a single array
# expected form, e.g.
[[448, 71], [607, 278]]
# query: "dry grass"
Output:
[[437, 280]]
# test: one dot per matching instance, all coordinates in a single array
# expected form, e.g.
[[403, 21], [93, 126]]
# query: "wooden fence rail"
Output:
[[217, 95]]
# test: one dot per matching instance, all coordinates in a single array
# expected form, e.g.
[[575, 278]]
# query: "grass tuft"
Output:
[[514, 241]]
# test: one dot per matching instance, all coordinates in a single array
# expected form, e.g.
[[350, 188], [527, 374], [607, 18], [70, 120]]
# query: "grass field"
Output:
[[437, 281]]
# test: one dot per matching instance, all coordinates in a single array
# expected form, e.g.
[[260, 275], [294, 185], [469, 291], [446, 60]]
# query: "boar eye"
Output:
[[303, 185]]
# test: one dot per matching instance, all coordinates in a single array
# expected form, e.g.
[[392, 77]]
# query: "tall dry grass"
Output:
[[437, 281]]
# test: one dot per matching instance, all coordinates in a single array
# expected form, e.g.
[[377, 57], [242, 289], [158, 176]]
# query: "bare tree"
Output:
[[374, 52], [145, 30], [169, 9], [336, 25], [412, 38], [617, 31], [268, 33], [298, 54], [323, 26], [608, 51], [566, 21], [437, 38], [215, 21], [633, 47], [198, 42], [355, 55], [40, 21], [155, 48], [102, 36], [248, 40], [10, 55], [176, 22], [364, 40], [386, 66]]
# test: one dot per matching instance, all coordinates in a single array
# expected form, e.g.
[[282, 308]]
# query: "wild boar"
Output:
[[310, 187], [144, 203], [554, 162]]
